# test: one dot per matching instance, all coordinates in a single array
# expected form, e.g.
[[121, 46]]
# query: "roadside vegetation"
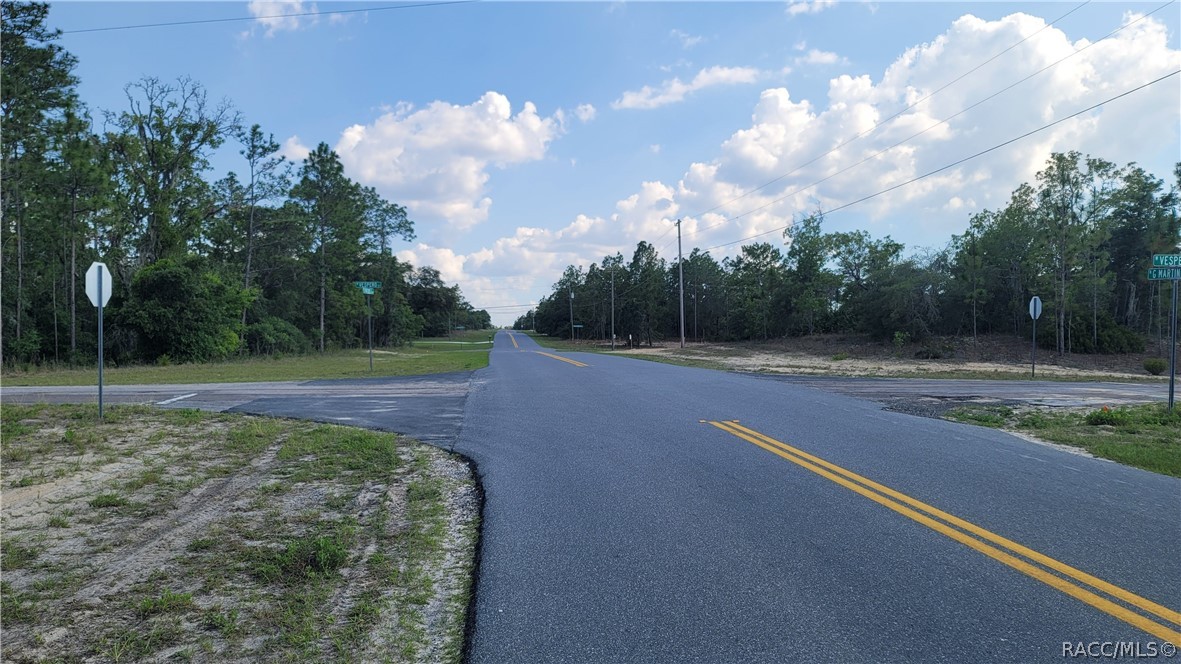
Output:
[[426, 356], [993, 357], [261, 262], [176, 534], [1146, 436]]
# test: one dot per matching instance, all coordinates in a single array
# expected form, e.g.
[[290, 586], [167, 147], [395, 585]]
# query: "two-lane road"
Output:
[[644, 512]]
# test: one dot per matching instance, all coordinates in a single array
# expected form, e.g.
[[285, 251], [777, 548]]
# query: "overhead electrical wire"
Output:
[[956, 163], [929, 128], [263, 18]]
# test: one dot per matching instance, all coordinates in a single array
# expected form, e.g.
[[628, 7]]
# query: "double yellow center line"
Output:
[[1006, 551], [564, 359], [512, 337]]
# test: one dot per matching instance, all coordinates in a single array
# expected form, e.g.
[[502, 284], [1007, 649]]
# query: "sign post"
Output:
[[367, 287], [98, 289], [1167, 267], [1035, 312]]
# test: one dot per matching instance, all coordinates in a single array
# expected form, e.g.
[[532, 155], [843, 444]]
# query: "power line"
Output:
[[920, 133], [956, 163], [892, 117], [262, 18]]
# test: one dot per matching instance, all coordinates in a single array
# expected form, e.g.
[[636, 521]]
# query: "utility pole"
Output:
[[695, 313], [613, 308], [571, 314], [681, 281]]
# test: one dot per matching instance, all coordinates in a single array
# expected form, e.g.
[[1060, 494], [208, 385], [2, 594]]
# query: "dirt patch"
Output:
[[179, 534], [854, 355]]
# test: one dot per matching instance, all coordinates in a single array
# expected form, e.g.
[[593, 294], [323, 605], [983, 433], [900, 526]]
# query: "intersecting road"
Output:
[[641, 512]]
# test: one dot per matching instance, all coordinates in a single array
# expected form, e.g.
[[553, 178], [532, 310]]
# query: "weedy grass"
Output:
[[425, 357], [1145, 436], [305, 558]]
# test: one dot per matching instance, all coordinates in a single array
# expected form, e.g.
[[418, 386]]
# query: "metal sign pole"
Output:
[[100, 344], [1033, 371], [369, 305], [1173, 347]]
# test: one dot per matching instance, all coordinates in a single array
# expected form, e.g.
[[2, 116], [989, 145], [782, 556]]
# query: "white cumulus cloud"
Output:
[[585, 112], [280, 15], [808, 150], [797, 7], [436, 160], [675, 90]]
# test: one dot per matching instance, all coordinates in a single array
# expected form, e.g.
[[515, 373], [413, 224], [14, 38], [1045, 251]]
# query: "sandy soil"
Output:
[[852, 355], [187, 505]]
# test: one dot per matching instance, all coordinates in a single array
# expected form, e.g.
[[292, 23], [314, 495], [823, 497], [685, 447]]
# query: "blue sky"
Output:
[[526, 136]]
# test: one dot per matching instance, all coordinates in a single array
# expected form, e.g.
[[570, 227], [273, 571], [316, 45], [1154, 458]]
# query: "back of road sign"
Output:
[[92, 289], [1035, 307]]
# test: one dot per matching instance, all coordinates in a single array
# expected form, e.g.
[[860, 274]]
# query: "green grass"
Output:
[[167, 602], [1146, 436], [423, 357], [107, 500]]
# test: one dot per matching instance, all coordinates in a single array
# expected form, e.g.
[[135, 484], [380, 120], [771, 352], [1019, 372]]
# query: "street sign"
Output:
[[367, 287], [1163, 273], [371, 285], [366, 290], [1166, 260], [1035, 307], [92, 284], [579, 325]]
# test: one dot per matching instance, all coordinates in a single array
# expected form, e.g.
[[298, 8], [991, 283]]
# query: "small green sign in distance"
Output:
[[1166, 260], [367, 291], [367, 284], [1164, 273]]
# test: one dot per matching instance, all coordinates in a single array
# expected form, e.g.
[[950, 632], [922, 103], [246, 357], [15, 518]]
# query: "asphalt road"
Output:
[[628, 519], [621, 526]]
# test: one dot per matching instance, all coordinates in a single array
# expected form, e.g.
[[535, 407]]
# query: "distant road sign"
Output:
[[1166, 260], [1035, 307], [367, 284], [1164, 273], [92, 289]]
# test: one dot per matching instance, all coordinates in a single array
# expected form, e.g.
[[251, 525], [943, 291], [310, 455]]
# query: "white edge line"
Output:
[[175, 399]]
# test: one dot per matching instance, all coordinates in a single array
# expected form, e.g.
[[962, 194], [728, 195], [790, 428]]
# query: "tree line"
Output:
[[260, 263], [1081, 237]]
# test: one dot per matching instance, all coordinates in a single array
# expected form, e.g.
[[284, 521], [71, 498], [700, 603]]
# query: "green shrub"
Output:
[[1155, 365], [1106, 415], [840, 356], [275, 336]]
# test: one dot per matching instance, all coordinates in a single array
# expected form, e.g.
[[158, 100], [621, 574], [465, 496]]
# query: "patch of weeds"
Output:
[[16, 454], [306, 557], [167, 602], [1106, 415], [17, 607], [131, 645], [253, 436], [185, 416], [31, 479], [58, 521], [18, 554], [104, 500], [337, 501], [988, 416], [223, 621], [273, 488], [338, 451], [1146, 436], [839, 357], [200, 544], [146, 477]]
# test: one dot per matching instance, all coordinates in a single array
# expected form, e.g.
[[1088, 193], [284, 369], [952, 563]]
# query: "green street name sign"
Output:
[[377, 284], [1166, 260], [1164, 273]]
